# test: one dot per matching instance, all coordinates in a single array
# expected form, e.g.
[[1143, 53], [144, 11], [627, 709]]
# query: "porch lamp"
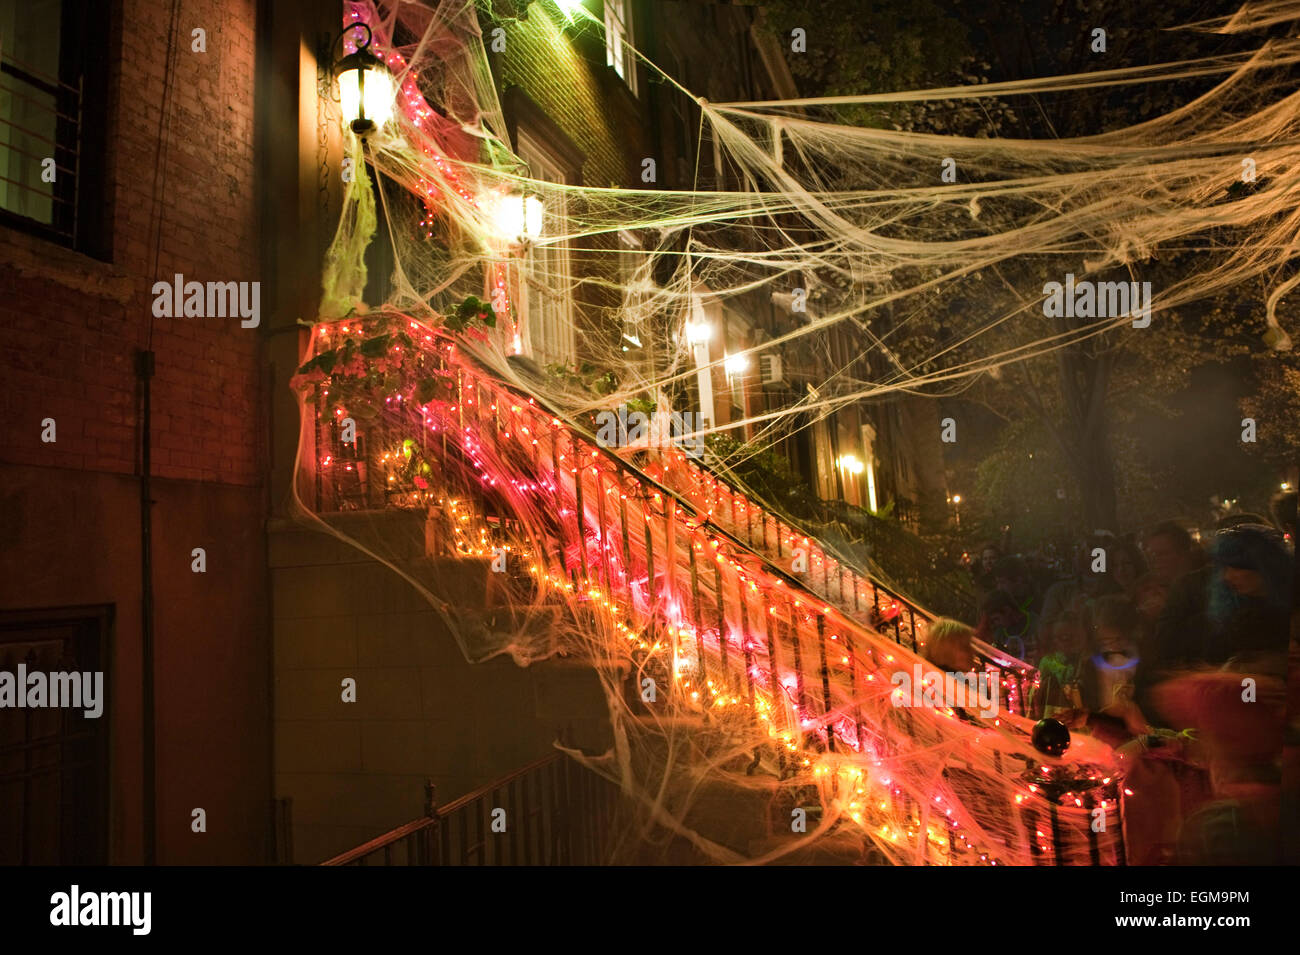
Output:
[[365, 88], [698, 333], [518, 216]]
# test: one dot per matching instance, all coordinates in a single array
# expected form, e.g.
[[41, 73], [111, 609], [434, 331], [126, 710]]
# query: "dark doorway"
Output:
[[54, 761]]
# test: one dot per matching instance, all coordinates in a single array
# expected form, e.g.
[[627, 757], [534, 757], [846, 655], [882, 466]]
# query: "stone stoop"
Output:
[[423, 712]]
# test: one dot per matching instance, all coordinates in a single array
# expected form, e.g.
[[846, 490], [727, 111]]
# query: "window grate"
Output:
[[51, 120]]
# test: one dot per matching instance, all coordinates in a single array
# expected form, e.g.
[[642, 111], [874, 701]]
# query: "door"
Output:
[[54, 759]]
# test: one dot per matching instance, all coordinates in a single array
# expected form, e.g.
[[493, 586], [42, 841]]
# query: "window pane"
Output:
[[617, 36], [29, 77], [546, 270]]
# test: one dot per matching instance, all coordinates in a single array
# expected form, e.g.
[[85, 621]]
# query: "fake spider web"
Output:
[[492, 452]]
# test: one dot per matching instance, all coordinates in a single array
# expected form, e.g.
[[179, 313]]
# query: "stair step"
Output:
[[494, 614]]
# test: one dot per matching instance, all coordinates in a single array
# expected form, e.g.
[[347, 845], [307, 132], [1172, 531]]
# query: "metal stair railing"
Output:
[[550, 812], [669, 553]]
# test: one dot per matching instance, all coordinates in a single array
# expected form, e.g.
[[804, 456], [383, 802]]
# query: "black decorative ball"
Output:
[[1051, 737]]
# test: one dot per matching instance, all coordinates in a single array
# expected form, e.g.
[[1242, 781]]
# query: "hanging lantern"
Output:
[[518, 217], [698, 333], [365, 88]]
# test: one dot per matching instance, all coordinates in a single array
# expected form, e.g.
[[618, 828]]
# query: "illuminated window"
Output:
[[53, 65], [618, 37], [704, 318], [869, 452], [546, 297]]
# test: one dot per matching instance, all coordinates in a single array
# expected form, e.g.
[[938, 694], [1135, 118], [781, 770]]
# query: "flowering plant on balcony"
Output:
[[364, 373], [374, 362]]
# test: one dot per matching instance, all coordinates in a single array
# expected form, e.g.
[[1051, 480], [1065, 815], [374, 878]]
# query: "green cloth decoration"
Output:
[[343, 278]]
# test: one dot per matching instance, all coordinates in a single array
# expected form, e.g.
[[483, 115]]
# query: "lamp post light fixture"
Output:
[[519, 216], [365, 88], [850, 463], [697, 333], [736, 365]]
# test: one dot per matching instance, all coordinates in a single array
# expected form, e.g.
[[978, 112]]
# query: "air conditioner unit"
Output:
[[771, 368]]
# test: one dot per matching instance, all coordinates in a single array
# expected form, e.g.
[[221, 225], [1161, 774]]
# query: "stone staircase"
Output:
[[747, 615]]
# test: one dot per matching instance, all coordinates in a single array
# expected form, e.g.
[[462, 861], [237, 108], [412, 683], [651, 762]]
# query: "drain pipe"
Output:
[[145, 369]]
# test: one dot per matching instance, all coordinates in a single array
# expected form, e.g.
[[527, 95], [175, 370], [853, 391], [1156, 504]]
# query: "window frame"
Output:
[[619, 36], [83, 743], [679, 113], [546, 164], [82, 89], [632, 258]]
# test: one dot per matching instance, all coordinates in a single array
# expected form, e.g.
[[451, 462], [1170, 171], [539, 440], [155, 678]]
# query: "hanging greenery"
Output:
[[361, 374]]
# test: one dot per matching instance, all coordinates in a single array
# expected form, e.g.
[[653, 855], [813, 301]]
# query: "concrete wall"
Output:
[[357, 770], [72, 537]]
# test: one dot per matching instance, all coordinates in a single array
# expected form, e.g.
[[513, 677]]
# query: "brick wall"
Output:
[[69, 324], [558, 69], [562, 69], [69, 329]]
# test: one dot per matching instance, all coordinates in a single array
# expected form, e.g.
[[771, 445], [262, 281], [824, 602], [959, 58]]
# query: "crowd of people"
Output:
[[1173, 647]]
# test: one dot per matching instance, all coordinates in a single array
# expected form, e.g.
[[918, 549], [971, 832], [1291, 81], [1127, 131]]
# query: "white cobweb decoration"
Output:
[[857, 216]]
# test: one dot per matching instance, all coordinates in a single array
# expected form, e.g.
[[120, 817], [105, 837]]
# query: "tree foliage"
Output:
[[1073, 409]]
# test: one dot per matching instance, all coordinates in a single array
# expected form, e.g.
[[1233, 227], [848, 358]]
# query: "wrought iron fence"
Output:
[[551, 812]]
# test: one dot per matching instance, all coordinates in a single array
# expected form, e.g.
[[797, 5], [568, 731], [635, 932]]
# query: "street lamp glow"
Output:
[[518, 217], [736, 364], [533, 209], [956, 498], [697, 333], [366, 96], [850, 463]]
